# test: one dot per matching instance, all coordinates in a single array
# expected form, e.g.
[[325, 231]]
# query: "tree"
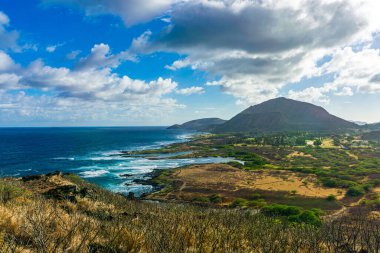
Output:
[[317, 142]]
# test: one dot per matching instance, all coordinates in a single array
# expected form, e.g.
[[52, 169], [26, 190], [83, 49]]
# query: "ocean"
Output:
[[94, 153]]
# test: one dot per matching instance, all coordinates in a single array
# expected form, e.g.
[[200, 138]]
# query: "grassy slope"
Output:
[[61, 213]]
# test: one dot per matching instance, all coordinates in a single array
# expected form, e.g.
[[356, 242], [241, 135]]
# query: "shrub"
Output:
[[309, 217], [257, 203], [202, 199], [216, 198], [300, 141], [236, 164], [329, 182], [331, 197], [280, 210], [239, 202], [367, 187], [334, 182], [254, 196], [294, 214], [9, 191], [355, 191]]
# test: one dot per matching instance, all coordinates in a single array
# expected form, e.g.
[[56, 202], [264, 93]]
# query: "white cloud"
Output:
[[4, 20], [311, 94], [8, 39], [7, 67], [353, 68], [260, 46], [53, 48], [90, 91], [6, 62], [251, 49], [345, 91], [101, 57], [140, 43], [73, 54], [353, 72], [9, 81], [179, 64], [131, 11], [370, 88], [19, 107], [190, 91], [93, 79]]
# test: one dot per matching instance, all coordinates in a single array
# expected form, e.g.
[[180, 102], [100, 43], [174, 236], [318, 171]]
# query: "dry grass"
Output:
[[328, 143], [300, 154], [102, 221], [203, 180], [352, 155]]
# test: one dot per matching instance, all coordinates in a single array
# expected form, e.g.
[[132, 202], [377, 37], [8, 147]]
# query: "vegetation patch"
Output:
[[223, 184], [294, 214], [101, 221]]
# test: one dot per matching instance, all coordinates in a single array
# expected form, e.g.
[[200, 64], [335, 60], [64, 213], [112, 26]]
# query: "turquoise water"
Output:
[[93, 153]]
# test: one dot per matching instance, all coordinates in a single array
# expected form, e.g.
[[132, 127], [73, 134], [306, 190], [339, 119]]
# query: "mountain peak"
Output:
[[283, 114], [205, 124]]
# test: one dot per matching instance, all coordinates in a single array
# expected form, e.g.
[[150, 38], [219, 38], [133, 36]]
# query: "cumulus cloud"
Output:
[[140, 44], [131, 11], [345, 91], [53, 48], [191, 90], [311, 94], [73, 54], [44, 108], [257, 28], [101, 57], [8, 39], [93, 78], [353, 68], [179, 64], [6, 62], [7, 67], [4, 20], [353, 72], [90, 89], [252, 49]]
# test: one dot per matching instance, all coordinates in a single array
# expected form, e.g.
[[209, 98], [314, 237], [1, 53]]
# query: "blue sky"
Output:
[[159, 62]]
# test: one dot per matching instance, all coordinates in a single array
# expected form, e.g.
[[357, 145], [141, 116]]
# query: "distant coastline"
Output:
[[94, 153]]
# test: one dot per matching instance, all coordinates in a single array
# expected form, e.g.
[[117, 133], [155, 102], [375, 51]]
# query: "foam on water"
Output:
[[111, 174], [64, 158], [93, 173], [92, 153]]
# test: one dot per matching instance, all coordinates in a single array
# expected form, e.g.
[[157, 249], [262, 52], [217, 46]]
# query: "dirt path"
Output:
[[180, 189], [344, 210]]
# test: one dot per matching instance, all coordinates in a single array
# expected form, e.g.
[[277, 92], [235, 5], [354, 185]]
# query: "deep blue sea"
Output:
[[91, 152]]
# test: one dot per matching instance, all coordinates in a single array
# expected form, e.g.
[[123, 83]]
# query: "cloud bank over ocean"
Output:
[[315, 51]]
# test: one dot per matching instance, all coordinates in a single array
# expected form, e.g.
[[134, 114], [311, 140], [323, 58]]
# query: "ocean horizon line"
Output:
[[147, 126]]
